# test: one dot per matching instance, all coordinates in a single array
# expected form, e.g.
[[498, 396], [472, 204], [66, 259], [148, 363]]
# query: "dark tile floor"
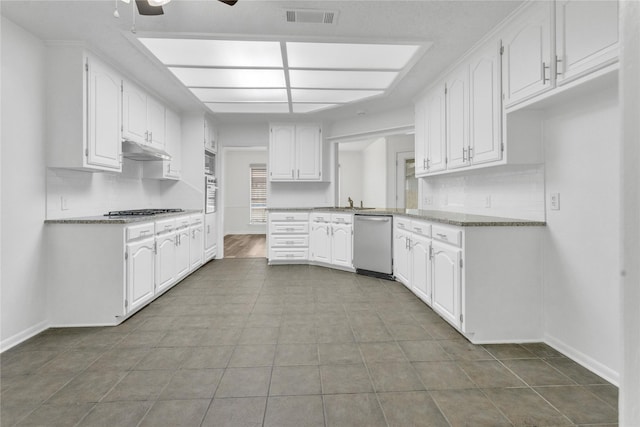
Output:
[[239, 343]]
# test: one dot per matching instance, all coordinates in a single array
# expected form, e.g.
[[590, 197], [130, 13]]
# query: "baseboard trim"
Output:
[[23, 336], [586, 361]]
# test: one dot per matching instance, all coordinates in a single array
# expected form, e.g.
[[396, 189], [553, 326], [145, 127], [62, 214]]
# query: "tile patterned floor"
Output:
[[239, 343]]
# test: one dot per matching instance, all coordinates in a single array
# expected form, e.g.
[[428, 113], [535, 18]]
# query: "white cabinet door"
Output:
[[342, 245], [282, 153], [165, 261], [134, 114], [156, 123], [446, 282], [196, 248], [140, 273], [435, 123], [527, 54], [320, 242], [183, 241], [401, 257], [308, 152], [210, 236], [586, 36], [485, 112], [104, 144], [420, 137], [457, 118], [210, 136], [421, 268]]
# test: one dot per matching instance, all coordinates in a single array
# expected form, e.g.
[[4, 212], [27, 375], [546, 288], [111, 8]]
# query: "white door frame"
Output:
[[401, 158]]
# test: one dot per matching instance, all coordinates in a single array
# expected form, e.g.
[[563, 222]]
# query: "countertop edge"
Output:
[[121, 220]]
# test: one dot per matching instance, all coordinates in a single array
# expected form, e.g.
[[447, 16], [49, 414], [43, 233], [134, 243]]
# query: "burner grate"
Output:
[[142, 212]]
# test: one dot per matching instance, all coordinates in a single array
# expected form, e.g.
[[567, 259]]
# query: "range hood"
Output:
[[136, 151]]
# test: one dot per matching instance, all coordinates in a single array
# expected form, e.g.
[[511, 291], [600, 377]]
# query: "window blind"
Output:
[[258, 202]]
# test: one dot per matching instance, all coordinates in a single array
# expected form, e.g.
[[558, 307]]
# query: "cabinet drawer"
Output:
[[289, 228], [182, 221], [320, 217], [139, 231], [165, 225], [448, 235], [402, 223], [289, 216], [342, 218], [196, 219], [286, 241], [422, 228], [289, 254]]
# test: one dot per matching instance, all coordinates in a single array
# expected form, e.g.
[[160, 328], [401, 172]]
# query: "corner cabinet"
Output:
[[84, 106], [295, 152]]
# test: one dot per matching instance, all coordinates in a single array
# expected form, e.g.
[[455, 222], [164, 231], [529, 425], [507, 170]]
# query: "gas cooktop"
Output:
[[142, 212]]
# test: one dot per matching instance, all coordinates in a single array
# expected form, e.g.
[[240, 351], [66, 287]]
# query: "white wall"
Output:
[[23, 309], [351, 183], [374, 123], [581, 245], [515, 192], [374, 174], [237, 185]]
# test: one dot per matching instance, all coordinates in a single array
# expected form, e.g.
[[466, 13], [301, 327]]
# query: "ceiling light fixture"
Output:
[[158, 2]]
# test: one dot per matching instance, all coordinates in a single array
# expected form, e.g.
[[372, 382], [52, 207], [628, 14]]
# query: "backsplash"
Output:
[[89, 194], [510, 192]]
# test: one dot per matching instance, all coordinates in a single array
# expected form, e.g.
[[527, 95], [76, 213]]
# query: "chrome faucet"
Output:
[[350, 202]]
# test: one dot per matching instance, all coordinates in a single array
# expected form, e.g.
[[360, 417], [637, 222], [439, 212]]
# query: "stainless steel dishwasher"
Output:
[[372, 245]]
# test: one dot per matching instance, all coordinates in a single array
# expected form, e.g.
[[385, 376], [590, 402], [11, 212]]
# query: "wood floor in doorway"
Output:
[[245, 246]]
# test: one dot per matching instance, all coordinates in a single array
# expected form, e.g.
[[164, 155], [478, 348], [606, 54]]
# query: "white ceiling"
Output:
[[453, 26]]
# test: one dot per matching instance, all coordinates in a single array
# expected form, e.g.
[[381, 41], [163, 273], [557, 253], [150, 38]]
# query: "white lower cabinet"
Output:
[[210, 237], [288, 234], [196, 247], [421, 267], [140, 273], [331, 239], [446, 266], [401, 258], [100, 274]]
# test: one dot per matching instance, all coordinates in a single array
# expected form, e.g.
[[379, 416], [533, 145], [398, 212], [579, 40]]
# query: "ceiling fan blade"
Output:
[[144, 8], [229, 2]]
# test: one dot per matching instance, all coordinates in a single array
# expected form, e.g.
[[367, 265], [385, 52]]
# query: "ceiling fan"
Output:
[[154, 7]]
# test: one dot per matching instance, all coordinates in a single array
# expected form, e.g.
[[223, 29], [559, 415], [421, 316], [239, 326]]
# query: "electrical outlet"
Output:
[[554, 201], [64, 205], [487, 202], [428, 200]]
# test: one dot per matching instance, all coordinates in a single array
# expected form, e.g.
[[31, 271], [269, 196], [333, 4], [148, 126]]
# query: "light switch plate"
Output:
[[64, 205], [554, 201], [487, 202]]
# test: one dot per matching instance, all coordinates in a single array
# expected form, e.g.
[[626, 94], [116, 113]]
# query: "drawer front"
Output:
[[196, 219], [289, 228], [421, 228], [286, 241], [182, 221], [402, 223], [289, 216], [289, 254], [342, 218], [445, 234], [165, 225], [320, 217], [139, 231]]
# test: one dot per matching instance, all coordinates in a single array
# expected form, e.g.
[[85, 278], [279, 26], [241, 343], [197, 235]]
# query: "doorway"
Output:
[[406, 181]]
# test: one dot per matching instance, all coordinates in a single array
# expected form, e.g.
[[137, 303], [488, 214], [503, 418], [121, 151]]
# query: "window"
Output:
[[258, 189]]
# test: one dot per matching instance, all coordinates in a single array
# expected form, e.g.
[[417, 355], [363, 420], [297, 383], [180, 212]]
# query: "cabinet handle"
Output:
[[292, 175], [557, 61], [290, 218], [544, 73], [327, 231], [430, 252], [424, 164], [289, 229], [427, 164], [298, 173], [470, 153], [146, 136], [464, 155], [442, 236], [169, 168], [150, 136], [419, 230], [208, 229], [289, 242]]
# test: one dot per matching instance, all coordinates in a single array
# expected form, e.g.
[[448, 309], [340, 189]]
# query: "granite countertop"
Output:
[[451, 218], [101, 219]]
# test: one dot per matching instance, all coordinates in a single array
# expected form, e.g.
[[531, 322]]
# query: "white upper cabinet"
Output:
[[84, 111], [586, 36], [168, 169], [143, 117], [435, 131], [485, 106], [457, 118], [420, 137], [527, 54], [308, 152], [210, 136], [295, 152]]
